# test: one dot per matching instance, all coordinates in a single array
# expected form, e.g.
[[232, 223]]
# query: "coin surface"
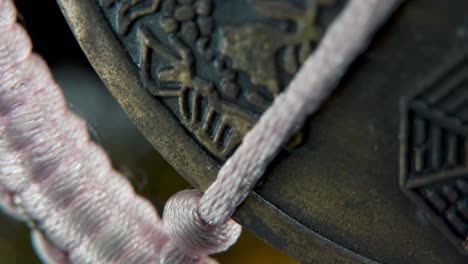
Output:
[[380, 174]]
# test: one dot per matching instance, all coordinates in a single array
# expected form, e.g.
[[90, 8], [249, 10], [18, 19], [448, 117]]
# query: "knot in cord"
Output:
[[191, 237]]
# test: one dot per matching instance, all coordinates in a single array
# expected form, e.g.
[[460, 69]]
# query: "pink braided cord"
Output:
[[82, 211], [55, 178], [54, 175]]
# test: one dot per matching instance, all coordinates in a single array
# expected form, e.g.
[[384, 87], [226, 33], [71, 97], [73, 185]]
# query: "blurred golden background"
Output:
[[109, 126]]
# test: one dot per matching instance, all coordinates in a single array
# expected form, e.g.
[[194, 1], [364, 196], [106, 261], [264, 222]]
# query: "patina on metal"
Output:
[[434, 146], [195, 75], [217, 73]]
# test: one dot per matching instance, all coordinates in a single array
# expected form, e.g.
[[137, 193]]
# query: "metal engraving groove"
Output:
[[201, 66], [435, 149]]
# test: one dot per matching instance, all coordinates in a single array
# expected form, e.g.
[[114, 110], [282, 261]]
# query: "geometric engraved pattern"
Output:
[[214, 70], [434, 152]]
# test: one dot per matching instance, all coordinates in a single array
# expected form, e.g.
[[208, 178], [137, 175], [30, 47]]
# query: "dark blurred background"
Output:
[[109, 126]]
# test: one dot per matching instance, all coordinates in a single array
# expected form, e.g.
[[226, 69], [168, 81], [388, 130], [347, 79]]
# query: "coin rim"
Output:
[[168, 137]]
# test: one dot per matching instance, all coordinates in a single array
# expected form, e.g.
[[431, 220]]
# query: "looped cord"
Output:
[[191, 236], [82, 211]]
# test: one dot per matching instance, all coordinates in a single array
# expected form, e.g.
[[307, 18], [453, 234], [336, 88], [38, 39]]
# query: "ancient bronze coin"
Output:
[[380, 174]]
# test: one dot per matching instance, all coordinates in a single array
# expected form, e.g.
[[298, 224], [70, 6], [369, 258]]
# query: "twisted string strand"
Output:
[[345, 39]]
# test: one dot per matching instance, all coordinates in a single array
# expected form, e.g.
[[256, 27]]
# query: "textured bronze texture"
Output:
[[434, 146], [217, 72], [194, 75]]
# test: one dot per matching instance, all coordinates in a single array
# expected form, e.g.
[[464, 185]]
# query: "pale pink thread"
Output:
[[345, 39], [52, 175]]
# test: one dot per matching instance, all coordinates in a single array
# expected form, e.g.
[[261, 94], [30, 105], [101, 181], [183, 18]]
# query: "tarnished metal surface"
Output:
[[217, 73], [434, 145], [195, 75]]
